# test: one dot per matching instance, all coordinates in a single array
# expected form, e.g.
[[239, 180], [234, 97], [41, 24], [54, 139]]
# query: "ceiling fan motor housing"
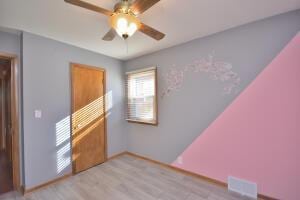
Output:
[[123, 7]]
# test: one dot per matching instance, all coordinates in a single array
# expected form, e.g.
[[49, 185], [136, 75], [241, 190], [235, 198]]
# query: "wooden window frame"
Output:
[[155, 107]]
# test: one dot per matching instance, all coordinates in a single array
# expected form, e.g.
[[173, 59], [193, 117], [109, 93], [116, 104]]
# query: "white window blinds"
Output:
[[141, 96]]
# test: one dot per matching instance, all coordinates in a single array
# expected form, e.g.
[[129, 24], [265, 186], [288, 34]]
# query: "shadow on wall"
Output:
[[86, 117]]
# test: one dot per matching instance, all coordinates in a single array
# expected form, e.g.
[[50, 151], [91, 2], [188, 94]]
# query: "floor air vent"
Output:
[[242, 187]]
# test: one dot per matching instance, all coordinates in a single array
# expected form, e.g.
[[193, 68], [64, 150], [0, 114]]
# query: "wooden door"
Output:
[[88, 117]]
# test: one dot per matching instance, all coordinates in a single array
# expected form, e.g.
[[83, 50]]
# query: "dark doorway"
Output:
[[6, 147]]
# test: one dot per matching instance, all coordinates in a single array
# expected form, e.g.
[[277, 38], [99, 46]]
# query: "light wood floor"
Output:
[[129, 178]]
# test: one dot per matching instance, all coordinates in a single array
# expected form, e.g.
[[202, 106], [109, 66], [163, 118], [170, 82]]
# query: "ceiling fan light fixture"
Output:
[[123, 18], [124, 24]]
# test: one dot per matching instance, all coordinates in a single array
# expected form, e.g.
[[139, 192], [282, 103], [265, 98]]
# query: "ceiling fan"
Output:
[[123, 19]]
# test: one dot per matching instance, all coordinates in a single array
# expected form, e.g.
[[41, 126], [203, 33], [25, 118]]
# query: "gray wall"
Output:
[[10, 43], [186, 113], [46, 86]]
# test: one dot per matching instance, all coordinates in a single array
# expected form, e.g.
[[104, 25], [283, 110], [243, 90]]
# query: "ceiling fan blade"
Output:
[[90, 7], [140, 6], [151, 32], [110, 35]]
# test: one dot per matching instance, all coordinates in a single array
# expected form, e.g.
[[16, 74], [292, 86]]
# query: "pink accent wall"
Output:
[[257, 137]]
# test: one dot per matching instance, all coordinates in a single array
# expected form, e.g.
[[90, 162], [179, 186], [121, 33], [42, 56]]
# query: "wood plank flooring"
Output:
[[129, 178]]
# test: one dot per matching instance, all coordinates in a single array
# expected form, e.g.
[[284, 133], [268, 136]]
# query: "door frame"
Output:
[[72, 66], [14, 118]]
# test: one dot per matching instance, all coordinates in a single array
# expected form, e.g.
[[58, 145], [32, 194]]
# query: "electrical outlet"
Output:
[[180, 160]]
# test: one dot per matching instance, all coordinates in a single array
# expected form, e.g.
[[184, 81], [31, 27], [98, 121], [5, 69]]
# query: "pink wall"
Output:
[[257, 137]]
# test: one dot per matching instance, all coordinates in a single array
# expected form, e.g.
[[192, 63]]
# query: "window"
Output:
[[141, 96]]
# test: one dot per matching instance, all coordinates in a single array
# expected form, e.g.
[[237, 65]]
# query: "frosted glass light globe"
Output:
[[124, 24]]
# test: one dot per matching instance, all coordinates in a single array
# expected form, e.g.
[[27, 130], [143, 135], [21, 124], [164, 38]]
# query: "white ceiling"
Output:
[[182, 21]]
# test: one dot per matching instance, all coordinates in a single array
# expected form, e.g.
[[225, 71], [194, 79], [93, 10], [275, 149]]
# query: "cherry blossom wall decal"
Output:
[[217, 70]]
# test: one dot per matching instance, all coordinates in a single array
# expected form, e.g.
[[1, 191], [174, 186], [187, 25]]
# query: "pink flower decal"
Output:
[[217, 70]]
